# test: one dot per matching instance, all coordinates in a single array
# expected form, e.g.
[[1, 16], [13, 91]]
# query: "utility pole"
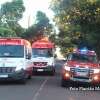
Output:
[[28, 21]]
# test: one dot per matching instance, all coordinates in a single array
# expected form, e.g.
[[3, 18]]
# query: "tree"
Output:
[[6, 32], [10, 14], [79, 18], [41, 27], [43, 23]]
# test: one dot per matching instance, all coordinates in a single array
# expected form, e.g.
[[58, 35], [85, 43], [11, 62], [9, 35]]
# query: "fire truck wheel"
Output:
[[65, 83]]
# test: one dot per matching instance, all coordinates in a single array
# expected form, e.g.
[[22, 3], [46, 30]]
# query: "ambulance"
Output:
[[43, 56], [81, 66], [15, 59]]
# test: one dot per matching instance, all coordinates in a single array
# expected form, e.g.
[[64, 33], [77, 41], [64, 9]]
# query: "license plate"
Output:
[[3, 76], [81, 74], [40, 70]]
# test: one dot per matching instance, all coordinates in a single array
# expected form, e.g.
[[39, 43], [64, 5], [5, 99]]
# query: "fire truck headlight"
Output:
[[96, 78], [96, 71], [67, 68]]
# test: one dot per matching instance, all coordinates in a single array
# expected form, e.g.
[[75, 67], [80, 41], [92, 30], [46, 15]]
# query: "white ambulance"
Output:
[[15, 59], [43, 56]]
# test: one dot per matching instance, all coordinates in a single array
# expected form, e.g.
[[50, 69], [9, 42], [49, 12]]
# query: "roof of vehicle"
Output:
[[84, 51], [43, 43], [14, 41]]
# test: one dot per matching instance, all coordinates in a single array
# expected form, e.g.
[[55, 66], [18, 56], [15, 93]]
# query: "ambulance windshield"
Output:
[[42, 52], [11, 51]]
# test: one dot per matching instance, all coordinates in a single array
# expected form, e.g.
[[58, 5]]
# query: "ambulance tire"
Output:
[[29, 77], [23, 81], [53, 72]]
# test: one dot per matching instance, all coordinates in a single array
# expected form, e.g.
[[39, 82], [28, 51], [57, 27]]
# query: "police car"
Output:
[[81, 66]]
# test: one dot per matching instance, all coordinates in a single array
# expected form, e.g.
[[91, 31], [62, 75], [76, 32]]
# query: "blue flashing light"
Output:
[[84, 50]]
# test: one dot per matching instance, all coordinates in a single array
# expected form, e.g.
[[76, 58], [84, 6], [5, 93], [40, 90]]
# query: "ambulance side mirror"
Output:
[[28, 56]]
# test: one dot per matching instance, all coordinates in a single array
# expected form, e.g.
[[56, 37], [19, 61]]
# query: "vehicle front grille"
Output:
[[72, 69], [91, 71], [39, 63], [79, 77], [80, 70], [7, 69]]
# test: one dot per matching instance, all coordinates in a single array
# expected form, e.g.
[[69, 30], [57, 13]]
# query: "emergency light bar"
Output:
[[84, 51], [9, 38], [12, 41]]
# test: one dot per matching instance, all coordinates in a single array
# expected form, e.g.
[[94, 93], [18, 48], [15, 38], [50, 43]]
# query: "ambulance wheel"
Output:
[[53, 72], [22, 81], [29, 77]]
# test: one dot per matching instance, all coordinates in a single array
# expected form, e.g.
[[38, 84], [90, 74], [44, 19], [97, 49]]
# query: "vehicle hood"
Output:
[[11, 62], [82, 64]]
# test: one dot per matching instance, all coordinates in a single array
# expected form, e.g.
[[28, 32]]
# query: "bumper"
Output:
[[43, 69], [80, 80], [93, 79], [18, 75]]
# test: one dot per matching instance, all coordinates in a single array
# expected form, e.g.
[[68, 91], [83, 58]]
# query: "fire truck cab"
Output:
[[81, 66], [15, 59], [43, 56]]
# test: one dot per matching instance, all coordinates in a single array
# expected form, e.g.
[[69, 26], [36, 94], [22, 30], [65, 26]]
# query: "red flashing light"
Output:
[[41, 44], [13, 41]]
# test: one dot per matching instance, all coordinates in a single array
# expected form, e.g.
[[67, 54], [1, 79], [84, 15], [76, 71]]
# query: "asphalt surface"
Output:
[[45, 87]]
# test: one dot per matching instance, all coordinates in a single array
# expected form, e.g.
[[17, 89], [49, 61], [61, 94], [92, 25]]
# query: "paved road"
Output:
[[45, 88]]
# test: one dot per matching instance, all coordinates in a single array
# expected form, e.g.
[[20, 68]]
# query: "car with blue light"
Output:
[[81, 66]]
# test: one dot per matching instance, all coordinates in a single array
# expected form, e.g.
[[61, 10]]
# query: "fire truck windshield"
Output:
[[42, 52], [84, 58], [11, 51]]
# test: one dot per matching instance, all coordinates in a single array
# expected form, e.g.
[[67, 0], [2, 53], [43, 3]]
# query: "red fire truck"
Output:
[[81, 66]]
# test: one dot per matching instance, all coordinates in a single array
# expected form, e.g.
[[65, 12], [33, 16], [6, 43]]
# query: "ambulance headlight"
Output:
[[96, 71], [19, 67], [50, 64]]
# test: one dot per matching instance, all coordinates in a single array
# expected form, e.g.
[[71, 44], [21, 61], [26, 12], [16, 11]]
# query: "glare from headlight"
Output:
[[50, 64], [18, 68], [96, 71], [67, 68]]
